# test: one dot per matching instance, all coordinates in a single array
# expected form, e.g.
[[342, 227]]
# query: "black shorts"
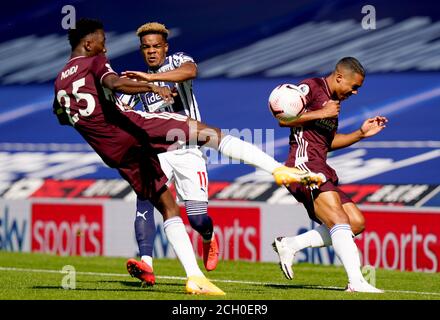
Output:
[[306, 196]]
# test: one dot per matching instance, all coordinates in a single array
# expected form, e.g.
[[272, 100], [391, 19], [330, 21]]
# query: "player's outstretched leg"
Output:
[[286, 256], [347, 251], [287, 247], [201, 285], [176, 233], [328, 209], [250, 154], [199, 220], [196, 283], [144, 227], [210, 254], [142, 271]]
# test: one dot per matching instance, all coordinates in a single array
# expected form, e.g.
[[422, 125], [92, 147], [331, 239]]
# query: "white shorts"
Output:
[[187, 169]]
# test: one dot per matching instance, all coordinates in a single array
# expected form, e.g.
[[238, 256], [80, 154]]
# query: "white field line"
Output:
[[103, 274]]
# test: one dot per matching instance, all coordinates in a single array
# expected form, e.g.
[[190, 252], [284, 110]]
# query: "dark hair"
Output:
[[351, 64], [84, 26]]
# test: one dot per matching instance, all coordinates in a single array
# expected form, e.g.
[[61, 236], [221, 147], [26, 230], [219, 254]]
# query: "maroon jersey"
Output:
[[310, 143], [126, 140], [90, 108]]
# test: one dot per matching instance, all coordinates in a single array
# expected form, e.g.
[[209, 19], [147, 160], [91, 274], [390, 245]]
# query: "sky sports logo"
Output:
[[13, 231], [401, 240], [67, 229]]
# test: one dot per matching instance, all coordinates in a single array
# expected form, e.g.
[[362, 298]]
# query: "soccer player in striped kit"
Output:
[[313, 135], [185, 167]]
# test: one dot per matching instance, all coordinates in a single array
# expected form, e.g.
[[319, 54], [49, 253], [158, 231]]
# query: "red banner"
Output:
[[67, 229], [237, 230], [65, 189], [401, 240]]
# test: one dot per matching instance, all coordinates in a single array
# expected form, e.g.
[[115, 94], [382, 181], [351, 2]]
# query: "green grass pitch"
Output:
[[37, 276]]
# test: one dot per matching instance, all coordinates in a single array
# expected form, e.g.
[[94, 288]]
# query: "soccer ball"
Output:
[[287, 101]]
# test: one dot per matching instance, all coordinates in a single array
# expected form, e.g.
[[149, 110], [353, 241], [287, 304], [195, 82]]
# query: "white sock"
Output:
[[316, 238], [250, 154], [148, 260], [179, 239], [347, 251]]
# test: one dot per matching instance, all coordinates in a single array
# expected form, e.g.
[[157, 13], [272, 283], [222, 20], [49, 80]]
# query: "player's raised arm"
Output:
[[127, 86], [330, 109], [370, 127], [187, 71]]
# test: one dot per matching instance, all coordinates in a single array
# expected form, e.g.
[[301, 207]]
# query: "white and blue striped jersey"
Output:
[[185, 103]]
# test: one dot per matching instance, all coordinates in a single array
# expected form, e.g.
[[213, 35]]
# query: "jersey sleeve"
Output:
[[131, 100], [180, 58], [101, 68], [306, 87], [60, 113]]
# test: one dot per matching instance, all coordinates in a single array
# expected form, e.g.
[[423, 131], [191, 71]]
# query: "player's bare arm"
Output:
[[373, 126], [329, 110], [187, 71], [370, 127], [127, 86]]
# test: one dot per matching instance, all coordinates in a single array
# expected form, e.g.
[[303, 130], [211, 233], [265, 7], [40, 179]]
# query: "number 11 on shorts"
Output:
[[202, 178]]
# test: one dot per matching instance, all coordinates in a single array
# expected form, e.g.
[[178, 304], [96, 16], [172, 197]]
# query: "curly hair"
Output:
[[83, 27], [153, 28]]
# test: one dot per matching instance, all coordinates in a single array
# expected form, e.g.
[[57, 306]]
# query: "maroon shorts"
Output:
[[141, 168], [131, 142], [163, 129], [306, 196]]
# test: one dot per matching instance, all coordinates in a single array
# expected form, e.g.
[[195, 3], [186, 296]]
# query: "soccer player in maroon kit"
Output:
[[313, 135], [130, 140]]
